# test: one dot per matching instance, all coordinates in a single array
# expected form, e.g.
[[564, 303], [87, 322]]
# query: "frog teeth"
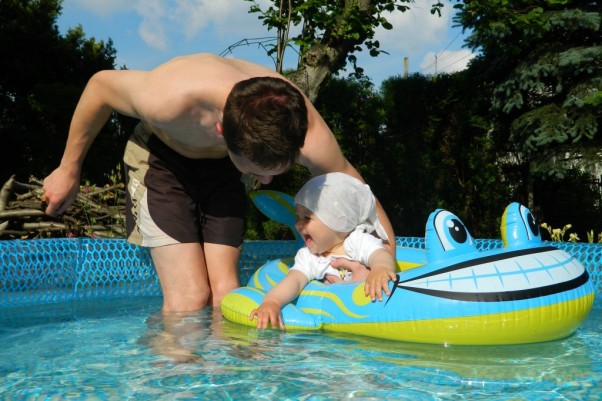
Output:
[[523, 274]]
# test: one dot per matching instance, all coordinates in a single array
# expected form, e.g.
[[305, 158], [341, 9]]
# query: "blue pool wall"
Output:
[[55, 270]]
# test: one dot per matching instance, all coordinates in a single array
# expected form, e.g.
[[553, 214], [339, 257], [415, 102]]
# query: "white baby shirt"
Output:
[[358, 245]]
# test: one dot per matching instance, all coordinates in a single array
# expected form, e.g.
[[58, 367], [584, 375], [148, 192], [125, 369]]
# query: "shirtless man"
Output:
[[204, 121]]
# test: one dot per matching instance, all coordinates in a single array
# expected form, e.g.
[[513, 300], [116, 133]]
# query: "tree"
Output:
[[542, 63], [330, 33], [357, 121], [41, 78], [543, 60], [437, 152]]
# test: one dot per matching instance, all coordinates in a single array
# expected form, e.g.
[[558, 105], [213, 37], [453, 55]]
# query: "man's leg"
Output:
[[222, 268], [182, 272]]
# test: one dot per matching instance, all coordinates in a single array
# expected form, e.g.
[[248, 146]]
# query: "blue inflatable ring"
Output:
[[526, 292]]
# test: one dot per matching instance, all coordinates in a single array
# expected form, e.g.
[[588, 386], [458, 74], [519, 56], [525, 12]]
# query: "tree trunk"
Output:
[[329, 55], [316, 68]]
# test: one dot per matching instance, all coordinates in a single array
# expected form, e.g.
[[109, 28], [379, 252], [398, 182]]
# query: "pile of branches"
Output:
[[97, 212]]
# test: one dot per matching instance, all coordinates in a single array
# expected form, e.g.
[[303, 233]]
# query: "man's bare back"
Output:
[[182, 100]]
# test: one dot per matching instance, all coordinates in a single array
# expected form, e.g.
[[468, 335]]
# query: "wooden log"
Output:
[[6, 192], [21, 213], [96, 212]]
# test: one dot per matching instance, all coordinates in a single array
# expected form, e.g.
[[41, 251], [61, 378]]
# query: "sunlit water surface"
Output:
[[115, 350]]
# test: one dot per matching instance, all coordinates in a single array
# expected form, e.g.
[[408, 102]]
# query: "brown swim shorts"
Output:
[[172, 199]]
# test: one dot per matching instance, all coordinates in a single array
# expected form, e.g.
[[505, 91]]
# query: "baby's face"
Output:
[[318, 237]]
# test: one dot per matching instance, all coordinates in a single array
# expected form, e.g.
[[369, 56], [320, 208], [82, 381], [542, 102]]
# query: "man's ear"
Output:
[[220, 128]]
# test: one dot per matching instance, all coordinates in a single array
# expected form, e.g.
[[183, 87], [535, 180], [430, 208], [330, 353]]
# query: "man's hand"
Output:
[[60, 190], [268, 312], [359, 272]]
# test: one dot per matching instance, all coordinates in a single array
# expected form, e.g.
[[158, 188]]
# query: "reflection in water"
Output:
[[177, 335], [184, 337], [122, 349], [562, 360], [563, 368]]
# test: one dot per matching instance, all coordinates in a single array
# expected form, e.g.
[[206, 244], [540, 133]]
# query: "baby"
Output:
[[336, 216]]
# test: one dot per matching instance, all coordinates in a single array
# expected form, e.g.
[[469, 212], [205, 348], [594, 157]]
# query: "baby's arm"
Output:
[[382, 269], [284, 292]]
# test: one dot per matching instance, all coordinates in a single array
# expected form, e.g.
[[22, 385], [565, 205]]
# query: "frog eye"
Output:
[[531, 227], [519, 226], [451, 231], [447, 236]]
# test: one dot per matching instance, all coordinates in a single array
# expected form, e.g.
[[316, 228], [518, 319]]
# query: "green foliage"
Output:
[[436, 152], [351, 24], [543, 60], [41, 78], [356, 121], [276, 231]]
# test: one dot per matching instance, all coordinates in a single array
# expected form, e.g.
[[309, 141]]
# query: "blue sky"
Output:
[[147, 33]]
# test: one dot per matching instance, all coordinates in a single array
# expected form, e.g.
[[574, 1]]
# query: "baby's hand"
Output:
[[377, 282], [268, 312]]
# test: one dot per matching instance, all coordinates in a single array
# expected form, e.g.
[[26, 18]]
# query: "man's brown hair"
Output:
[[265, 120]]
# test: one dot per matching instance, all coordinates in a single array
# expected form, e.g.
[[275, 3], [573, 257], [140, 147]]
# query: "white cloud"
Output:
[[415, 29], [194, 16], [228, 17], [162, 22], [420, 35], [152, 28]]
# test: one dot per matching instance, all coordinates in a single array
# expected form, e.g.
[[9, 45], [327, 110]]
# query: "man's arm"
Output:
[[322, 154], [382, 269], [106, 91]]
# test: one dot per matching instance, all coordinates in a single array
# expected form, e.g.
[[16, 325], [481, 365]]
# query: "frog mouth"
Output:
[[508, 276]]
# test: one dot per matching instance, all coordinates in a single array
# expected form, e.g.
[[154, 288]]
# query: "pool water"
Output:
[[115, 349]]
